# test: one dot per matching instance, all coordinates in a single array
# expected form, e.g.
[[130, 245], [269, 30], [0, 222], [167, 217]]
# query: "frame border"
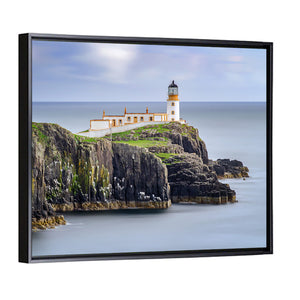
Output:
[[25, 120]]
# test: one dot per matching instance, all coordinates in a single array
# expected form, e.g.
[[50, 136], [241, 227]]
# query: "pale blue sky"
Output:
[[72, 71]]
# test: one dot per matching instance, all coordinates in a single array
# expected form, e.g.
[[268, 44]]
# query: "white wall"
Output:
[[117, 120], [98, 125], [175, 108], [246, 277], [103, 132], [145, 116], [125, 119]]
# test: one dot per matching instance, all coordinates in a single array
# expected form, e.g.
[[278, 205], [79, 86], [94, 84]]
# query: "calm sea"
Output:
[[230, 130]]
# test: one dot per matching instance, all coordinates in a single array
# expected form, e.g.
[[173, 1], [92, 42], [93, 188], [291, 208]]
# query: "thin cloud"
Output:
[[113, 60], [142, 72]]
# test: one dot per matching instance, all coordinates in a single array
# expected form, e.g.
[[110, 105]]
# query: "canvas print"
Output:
[[144, 148]]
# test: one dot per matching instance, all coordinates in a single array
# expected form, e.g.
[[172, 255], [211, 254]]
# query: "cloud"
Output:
[[117, 71], [128, 64], [114, 61], [235, 58]]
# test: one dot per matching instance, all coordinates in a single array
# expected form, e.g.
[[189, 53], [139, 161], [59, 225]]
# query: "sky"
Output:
[[95, 72]]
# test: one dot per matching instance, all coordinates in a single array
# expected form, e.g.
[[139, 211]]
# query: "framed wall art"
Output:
[[143, 147]]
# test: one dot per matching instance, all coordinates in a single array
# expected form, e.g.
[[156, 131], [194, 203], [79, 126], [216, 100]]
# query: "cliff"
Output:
[[75, 173], [143, 168], [191, 175]]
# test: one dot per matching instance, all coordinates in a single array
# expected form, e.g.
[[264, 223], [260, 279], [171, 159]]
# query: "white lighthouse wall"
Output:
[[175, 108]]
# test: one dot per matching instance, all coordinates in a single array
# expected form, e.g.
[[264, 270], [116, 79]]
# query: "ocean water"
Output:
[[230, 130]]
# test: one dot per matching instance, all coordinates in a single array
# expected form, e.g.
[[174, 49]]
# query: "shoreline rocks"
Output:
[[111, 205], [226, 168], [46, 223]]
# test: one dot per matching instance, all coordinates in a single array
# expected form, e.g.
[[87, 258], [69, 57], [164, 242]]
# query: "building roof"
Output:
[[173, 84]]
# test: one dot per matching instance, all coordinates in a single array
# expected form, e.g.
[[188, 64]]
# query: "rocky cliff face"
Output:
[[182, 138], [192, 177], [75, 173], [192, 181], [144, 168], [226, 168]]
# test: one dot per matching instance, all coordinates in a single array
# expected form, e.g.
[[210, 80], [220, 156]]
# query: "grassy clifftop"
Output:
[[173, 138], [158, 130]]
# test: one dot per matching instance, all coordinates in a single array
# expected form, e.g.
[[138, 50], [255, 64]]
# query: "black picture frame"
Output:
[[25, 120]]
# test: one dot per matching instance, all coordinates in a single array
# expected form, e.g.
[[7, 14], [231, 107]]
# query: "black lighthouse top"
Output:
[[173, 84], [173, 89]]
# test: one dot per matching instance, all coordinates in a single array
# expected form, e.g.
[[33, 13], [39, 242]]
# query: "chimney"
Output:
[[147, 110], [103, 114]]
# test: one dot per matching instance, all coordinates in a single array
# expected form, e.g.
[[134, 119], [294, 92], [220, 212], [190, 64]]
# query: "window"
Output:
[[173, 103], [173, 119], [120, 122], [113, 122], [128, 119], [142, 119], [173, 112], [151, 118]]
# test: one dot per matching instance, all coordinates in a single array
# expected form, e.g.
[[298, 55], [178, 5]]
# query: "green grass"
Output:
[[165, 156], [121, 134], [87, 139], [159, 128], [143, 143], [37, 129]]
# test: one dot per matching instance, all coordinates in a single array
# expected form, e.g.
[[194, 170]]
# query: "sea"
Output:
[[235, 130]]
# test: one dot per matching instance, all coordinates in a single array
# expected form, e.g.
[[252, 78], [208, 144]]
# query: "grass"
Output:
[[165, 156], [159, 128], [121, 134], [143, 143], [87, 139], [37, 129]]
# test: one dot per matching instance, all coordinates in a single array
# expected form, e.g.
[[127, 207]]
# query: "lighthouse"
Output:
[[132, 120], [173, 110]]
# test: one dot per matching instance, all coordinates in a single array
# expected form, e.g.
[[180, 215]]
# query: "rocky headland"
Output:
[[226, 168], [149, 167]]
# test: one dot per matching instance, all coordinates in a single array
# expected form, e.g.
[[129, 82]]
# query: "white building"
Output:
[[146, 118]]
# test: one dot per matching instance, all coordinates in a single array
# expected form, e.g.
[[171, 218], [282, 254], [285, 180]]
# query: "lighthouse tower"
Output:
[[173, 103]]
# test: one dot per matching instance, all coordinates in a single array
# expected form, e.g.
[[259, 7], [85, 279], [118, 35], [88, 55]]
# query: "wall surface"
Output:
[[249, 277], [176, 108], [103, 132], [97, 125]]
